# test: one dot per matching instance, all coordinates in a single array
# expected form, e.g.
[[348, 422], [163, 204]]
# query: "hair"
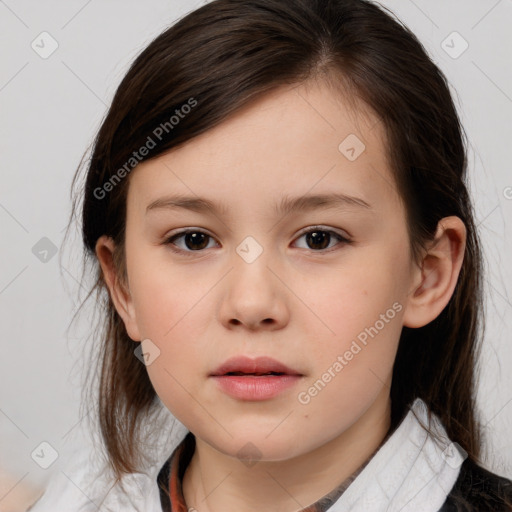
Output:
[[228, 53]]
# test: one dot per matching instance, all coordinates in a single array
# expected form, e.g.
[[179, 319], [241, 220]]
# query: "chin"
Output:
[[253, 445]]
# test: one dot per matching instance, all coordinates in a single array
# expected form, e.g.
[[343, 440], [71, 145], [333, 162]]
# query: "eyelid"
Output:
[[320, 227]]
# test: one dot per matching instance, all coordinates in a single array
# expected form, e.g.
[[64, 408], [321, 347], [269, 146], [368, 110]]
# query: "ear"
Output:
[[435, 281], [119, 292]]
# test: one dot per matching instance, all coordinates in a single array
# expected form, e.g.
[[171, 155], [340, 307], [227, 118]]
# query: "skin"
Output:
[[297, 303]]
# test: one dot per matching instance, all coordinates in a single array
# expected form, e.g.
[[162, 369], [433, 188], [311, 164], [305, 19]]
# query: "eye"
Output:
[[194, 240], [318, 239]]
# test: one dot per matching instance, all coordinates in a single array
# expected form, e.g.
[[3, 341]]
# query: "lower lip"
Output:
[[253, 387]]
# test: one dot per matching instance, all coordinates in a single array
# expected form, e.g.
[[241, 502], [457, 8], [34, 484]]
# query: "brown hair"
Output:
[[222, 56]]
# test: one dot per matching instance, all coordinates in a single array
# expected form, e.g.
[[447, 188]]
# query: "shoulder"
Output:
[[477, 489], [81, 484]]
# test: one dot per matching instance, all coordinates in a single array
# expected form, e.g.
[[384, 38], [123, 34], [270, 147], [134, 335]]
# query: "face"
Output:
[[320, 288]]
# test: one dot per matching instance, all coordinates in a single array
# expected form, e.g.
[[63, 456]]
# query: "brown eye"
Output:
[[320, 239], [193, 241], [317, 240]]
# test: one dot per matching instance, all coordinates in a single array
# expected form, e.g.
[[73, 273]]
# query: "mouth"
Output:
[[246, 379]]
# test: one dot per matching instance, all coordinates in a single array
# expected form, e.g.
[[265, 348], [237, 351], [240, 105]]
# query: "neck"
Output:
[[214, 481]]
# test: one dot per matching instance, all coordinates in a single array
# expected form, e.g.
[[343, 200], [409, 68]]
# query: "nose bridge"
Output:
[[250, 250], [253, 294], [251, 261]]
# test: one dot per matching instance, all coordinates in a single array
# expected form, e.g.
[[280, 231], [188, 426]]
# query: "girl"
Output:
[[277, 209]]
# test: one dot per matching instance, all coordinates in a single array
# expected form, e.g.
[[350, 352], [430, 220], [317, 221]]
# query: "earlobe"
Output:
[[119, 292], [435, 281]]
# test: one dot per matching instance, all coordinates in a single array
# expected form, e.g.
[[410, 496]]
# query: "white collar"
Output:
[[410, 472]]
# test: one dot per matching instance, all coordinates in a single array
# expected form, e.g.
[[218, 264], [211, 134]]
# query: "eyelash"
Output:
[[169, 241]]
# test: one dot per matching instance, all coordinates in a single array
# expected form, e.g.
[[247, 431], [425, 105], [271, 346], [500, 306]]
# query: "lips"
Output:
[[254, 380], [259, 366]]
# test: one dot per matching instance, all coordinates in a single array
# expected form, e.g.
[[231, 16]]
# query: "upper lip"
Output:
[[249, 365]]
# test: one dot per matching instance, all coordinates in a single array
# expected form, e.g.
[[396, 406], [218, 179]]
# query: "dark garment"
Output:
[[479, 490], [476, 489]]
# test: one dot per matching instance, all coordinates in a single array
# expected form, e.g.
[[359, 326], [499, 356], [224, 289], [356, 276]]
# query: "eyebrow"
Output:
[[286, 206]]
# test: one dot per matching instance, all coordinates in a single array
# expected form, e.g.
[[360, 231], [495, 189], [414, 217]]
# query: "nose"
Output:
[[254, 295]]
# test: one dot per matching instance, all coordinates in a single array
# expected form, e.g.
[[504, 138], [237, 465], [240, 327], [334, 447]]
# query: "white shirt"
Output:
[[410, 472]]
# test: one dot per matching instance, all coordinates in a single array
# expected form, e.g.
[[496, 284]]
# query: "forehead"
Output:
[[294, 140]]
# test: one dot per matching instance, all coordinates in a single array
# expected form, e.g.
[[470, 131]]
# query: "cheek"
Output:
[[163, 294], [172, 321], [172, 310], [360, 311], [353, 299], [352, 364]]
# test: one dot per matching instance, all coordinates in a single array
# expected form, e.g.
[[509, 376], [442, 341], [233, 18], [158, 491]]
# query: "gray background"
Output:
[[51, 109]]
